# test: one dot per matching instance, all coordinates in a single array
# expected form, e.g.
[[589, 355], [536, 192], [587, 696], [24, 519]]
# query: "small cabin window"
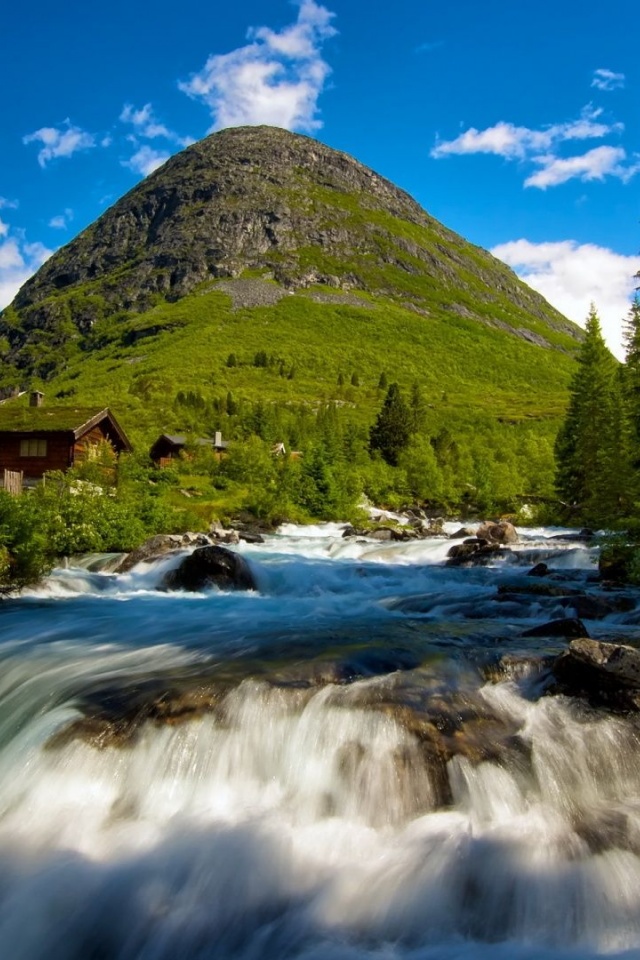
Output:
[[33, 448]]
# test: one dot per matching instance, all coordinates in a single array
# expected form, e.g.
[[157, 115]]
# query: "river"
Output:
[[358, 761]]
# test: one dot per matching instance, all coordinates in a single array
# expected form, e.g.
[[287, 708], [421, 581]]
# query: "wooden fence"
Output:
[[13, 482]]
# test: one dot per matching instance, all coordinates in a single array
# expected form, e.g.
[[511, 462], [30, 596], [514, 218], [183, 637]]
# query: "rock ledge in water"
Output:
[[208, 567], [604, 673]]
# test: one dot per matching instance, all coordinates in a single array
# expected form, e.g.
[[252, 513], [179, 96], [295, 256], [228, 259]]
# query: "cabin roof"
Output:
[[74, 420]]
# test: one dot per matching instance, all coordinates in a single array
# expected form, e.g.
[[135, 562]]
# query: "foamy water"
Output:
[[310, 811]]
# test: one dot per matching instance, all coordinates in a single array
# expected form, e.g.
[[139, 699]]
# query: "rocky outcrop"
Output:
[[605, 674], [210, 567]]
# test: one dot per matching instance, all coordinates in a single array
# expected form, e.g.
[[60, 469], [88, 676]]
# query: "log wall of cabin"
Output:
[[59, 453]]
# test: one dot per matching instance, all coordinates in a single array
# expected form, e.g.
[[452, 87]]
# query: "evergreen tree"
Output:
[[392, 430], [631, 339], [590, 468], [383, 382], [418, 409]]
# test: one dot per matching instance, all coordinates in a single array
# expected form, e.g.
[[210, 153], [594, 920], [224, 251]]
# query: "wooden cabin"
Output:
[[36, 439], [168, 447]]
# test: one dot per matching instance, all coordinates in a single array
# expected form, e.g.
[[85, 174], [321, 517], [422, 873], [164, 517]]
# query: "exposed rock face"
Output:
[[210, 566], [604, 673], [260, 198]]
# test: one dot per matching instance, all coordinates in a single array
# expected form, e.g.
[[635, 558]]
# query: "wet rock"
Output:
[[116, 720], [473, 550], [210, 566], [382, 533], [536, 588], [597, 607], [501, 532], [247, 537], [540, 570], [603, 673], [564, 627], [152, 549], [462, 533], [516, 667]]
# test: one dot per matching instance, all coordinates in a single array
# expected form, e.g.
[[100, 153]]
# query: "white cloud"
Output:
[[145, 122], [18, 261], [540, 147], [596, 164], [516, 143], [60, 141], [145, 160], [275, 79], [4, 228], [62, 220], [8, 204], [607, 80], [571, 276]]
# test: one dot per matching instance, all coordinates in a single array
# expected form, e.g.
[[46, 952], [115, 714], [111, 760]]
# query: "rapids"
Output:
[[359, 761]]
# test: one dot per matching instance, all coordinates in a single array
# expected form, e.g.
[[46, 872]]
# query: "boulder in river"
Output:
[[210, 566], [564, 627], [473, 550], [152, 549], [604, 673], [501, 532]]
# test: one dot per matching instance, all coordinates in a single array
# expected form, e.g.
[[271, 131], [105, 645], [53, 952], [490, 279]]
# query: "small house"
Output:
[[36, 439], [168, 447]]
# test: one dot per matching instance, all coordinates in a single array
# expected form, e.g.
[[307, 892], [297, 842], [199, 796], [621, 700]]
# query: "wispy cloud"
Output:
[[144, 122], [145, 160], [146, 126], [62, 220], [515, 143], [61, 141], [607, 80], [6, 204], [541, 147], [275, 79], [595, 164], [572, 275], [19, 259]]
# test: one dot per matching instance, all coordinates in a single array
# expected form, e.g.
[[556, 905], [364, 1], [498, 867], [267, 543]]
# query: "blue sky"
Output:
[[517, 125]]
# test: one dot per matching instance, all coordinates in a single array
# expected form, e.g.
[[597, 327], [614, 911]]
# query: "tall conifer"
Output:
[[591, 469], [393, 427]]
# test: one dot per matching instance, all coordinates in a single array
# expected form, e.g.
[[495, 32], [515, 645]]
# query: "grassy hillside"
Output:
[[139, 365]]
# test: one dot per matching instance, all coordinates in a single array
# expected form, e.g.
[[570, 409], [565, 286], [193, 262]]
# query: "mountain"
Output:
[[258, 240]]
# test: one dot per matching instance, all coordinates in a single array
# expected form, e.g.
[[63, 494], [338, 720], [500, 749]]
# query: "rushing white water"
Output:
[[317, 770]]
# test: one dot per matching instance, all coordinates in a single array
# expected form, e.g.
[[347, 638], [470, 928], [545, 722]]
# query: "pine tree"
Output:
[[590, 467], [391, 432], [631, 339], [418, 408]]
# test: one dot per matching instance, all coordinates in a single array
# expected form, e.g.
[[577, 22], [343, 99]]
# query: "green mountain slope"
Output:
[[258, 241]]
